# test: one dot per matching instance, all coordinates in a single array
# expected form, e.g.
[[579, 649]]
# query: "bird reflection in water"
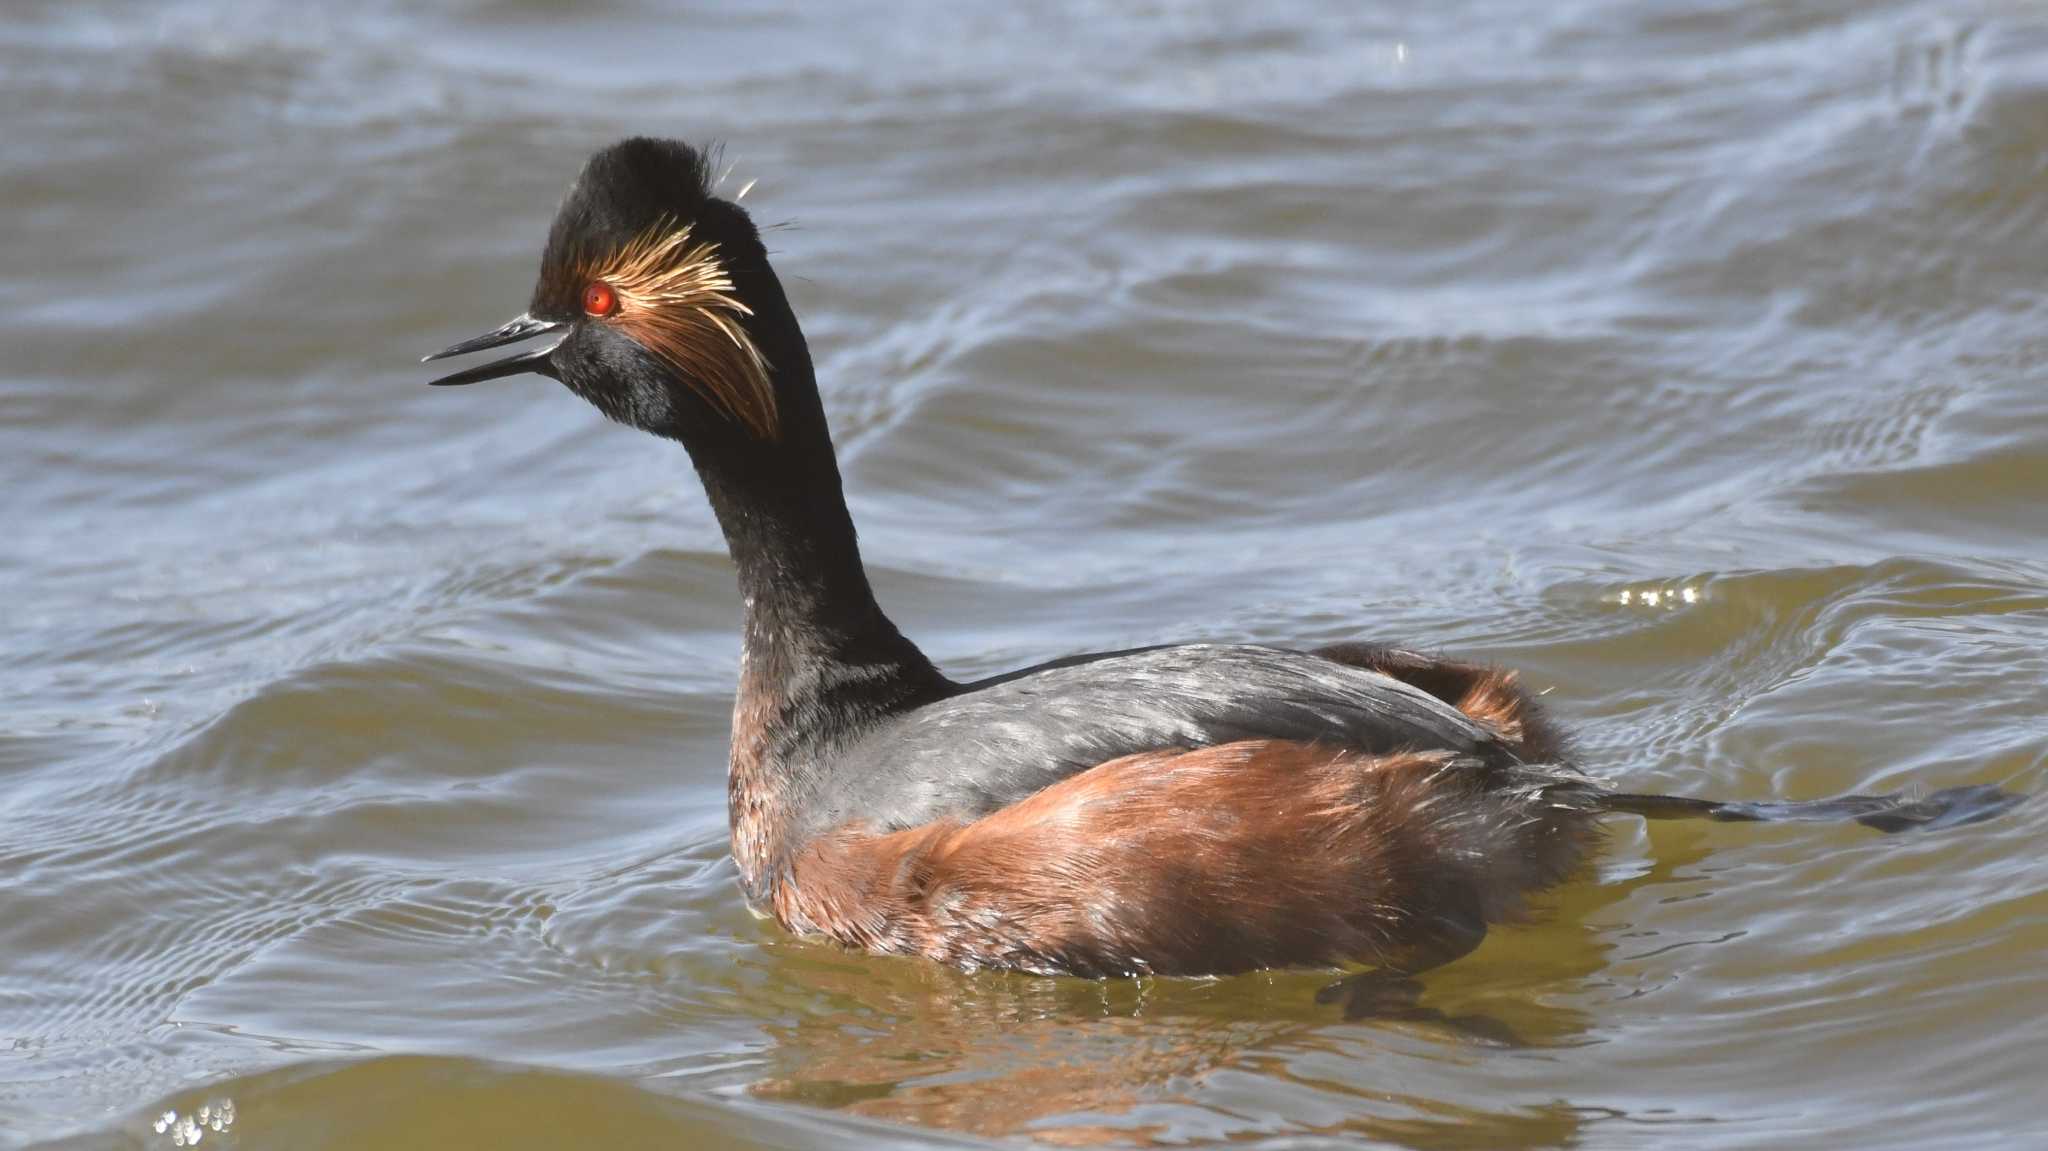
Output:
[[1088, 1063]]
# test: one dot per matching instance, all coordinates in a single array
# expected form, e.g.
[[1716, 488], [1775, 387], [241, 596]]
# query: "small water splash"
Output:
[[189, 1130]]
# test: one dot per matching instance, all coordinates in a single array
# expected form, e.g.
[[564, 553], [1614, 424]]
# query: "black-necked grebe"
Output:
[[1194, 809]]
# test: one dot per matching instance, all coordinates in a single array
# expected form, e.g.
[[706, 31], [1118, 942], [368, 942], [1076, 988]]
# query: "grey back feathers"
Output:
[[1007, 738]]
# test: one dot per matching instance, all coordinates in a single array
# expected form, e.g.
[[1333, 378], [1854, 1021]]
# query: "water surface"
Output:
[[361, 760]]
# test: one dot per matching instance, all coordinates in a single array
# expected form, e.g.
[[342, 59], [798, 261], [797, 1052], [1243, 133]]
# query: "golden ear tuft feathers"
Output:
[[675, 298]]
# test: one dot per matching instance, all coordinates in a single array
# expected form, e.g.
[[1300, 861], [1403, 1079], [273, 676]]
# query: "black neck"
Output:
[[813, 632]]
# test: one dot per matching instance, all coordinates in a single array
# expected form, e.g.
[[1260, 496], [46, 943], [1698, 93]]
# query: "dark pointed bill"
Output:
[[523, 328]]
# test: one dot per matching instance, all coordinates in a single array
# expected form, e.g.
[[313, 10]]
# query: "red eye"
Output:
[[599, 299]]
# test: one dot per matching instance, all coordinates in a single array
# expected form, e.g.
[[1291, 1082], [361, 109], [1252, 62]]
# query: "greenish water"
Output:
[[362, 745]]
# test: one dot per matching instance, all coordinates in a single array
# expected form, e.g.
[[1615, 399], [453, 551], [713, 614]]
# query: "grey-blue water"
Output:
[[362, 745]]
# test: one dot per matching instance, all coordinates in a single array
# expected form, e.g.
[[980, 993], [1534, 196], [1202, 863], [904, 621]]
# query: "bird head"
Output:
[[643, 297]]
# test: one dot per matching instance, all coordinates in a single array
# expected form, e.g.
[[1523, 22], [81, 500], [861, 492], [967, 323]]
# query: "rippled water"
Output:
[[362, 749]]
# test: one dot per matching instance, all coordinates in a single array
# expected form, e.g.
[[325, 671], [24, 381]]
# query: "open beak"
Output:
[[523, 328]]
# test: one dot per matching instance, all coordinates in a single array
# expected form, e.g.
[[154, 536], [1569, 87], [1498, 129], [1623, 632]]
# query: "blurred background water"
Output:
[[362, 745]]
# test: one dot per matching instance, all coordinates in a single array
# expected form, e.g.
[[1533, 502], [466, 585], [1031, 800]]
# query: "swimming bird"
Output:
[[1187, 809]]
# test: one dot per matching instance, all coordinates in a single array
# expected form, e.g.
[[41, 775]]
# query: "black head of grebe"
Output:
[[1189, 809], [658, 306]]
